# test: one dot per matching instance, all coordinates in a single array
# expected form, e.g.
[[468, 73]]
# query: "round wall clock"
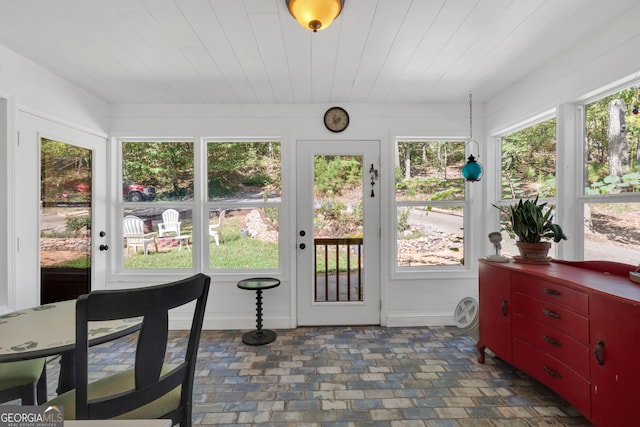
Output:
[[336, 119]]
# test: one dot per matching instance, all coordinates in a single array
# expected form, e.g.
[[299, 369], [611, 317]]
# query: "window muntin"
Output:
[[430, 202], [244, 180], [529, 162]]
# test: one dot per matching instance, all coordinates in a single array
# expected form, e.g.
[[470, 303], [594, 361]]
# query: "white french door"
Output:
[[338, 233], [60, 207]]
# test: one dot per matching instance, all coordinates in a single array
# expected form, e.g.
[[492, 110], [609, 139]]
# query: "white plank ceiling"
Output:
[[254, 52]]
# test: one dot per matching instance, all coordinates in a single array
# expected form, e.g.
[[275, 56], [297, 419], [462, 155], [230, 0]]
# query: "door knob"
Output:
[[103, 247], [302, 246]]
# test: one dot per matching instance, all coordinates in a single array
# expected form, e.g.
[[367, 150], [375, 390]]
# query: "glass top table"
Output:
[[259, 336]]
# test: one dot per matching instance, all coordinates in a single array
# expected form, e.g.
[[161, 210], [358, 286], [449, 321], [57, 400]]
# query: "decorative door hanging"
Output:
[[374, 177]]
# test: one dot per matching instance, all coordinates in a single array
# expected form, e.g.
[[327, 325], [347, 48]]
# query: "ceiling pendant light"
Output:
[[472, 170], [315, 15]]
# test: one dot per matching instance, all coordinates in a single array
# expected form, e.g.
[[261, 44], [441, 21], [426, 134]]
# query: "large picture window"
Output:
[[430, 202], [612, 177], [239, 227]]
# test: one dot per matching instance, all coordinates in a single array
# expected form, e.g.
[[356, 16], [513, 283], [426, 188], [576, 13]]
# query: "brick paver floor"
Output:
[[354, 376]]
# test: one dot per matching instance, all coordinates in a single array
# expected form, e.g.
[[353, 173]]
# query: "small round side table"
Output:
[[259, 336]]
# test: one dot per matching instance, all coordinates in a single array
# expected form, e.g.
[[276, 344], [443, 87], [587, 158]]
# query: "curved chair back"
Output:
[[214, 229], [132, 226], [133, 230], [151, 389], [170, 222]]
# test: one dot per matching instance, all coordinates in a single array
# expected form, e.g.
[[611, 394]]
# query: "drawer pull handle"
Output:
[[503, 308], [550, 291], [598, 352], [551, 341], [551, 314], [552, 373]]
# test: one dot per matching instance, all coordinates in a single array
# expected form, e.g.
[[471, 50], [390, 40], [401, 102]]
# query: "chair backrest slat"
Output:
[[132, 225], [152, 377], [170, 216]]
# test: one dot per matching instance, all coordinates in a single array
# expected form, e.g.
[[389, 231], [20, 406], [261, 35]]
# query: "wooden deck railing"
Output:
[[338, 275]]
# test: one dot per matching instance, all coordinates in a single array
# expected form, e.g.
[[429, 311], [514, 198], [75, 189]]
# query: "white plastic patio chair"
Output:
[[133, 229], [170, 223], [213, 228]]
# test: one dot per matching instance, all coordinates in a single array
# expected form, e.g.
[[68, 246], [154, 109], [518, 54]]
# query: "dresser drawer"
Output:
[[549, 371], [555, 316], [548, 291], [553, 342]]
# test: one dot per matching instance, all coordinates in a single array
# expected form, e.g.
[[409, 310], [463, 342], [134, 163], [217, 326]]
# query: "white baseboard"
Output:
[[400, 320], [212, 323], [245, 323]]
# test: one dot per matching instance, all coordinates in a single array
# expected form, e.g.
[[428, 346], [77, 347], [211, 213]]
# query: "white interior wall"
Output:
[[605, 59], [427, 298], [38, 90]]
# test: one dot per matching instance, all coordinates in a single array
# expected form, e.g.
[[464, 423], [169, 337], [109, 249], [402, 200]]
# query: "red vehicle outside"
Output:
[[138, 192]]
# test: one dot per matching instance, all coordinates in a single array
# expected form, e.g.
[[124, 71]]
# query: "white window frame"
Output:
[[117, 264], [582, 198], [435, 271]]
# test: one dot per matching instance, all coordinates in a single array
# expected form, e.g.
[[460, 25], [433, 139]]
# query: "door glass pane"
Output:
[[338, 228], [65, 220]]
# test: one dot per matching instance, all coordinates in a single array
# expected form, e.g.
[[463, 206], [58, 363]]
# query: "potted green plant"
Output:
[[532, 224]]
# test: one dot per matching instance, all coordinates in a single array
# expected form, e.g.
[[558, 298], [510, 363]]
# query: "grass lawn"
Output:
[[234, 252]]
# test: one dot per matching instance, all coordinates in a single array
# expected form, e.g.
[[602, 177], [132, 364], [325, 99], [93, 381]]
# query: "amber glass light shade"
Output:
[[315, 15]]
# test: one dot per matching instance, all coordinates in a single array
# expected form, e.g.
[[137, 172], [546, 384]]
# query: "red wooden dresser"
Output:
[[574, 326]]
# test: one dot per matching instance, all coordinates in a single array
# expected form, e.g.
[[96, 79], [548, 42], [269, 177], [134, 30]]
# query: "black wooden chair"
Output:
[[151, 389], [25, 380]]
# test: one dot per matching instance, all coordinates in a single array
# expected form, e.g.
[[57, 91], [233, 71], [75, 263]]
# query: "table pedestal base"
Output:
[[259, 337]]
